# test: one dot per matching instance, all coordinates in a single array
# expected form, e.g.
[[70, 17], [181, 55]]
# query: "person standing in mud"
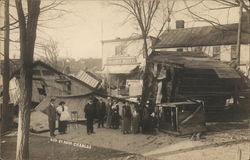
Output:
[[146, 122], [140, 114], [135, 121], [115, 122], [101, 112], [62, 110], [52, 116], [109, 113], [126, 116], [90, 115]]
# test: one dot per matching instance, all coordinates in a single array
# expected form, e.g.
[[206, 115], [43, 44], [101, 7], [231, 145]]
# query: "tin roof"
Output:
[[89, 79], [194, 60], [203, 36]]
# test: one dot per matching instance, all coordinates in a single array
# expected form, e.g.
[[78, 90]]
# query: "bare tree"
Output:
[[52, 5], [144, 13], [6, 72], [51, 53], [27, 28]]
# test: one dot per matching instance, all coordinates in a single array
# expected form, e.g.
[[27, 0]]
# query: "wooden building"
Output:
[[182, 75], [217, 41], [48, 81], [123, 60]]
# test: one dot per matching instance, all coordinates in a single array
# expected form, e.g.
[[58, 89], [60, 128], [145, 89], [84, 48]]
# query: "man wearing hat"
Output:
[[52, 116], [90, 110], [146, 125]]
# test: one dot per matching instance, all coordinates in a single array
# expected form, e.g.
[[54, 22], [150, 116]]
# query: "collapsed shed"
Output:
[[182, 75], [181, 118]]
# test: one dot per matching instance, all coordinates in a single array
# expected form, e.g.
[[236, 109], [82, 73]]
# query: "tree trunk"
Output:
[[24, 113], [6, 114], [146, 85], [27, 29], [147, 76]]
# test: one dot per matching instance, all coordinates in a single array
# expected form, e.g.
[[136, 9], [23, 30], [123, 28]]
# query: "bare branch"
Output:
[[50, 53], [49, 7], [219, 8], [10, 60], [194, 5], [198, 17]]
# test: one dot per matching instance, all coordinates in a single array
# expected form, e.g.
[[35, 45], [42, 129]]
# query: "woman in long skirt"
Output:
[[109, 113], [113, 115], [64, 117], [135, 122], [126, 115]]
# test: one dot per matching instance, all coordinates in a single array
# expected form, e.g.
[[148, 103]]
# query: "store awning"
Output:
[[119, 69]]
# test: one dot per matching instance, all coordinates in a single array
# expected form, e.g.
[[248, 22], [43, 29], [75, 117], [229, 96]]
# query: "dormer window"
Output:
[[120, 50]]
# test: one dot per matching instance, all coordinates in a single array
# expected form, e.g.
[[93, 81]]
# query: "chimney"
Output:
[[179, 24]]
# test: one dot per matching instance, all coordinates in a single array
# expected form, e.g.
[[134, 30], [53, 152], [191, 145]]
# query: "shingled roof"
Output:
[[203, 36]]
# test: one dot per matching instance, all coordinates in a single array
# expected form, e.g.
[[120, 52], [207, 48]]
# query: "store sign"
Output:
[[121, 60], [135, 87]]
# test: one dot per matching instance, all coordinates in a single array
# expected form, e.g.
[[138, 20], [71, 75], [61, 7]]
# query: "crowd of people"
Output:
[[124, 115], [113, 114]]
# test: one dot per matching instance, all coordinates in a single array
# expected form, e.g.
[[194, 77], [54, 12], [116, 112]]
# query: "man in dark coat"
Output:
[[126, 116], [109, 113], [90, 110], [52, 116], [101, 112]]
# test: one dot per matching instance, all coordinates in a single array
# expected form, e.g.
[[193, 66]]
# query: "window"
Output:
[[47, 73], [36, 73], [42, 91], [233, 52], [120, 50], [198, 49], [68, 84], [216, 52], [179, 49]]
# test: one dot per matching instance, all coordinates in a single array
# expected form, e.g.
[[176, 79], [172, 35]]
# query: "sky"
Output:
[[82, 24]]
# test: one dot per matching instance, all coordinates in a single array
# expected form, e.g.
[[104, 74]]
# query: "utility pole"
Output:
[[239, 34], [6, 70]]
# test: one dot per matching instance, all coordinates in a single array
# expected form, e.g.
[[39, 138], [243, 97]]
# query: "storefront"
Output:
[[117, 72]]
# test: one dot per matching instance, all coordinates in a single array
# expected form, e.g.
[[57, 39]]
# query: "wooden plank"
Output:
[[170, 132], [177, 119]]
